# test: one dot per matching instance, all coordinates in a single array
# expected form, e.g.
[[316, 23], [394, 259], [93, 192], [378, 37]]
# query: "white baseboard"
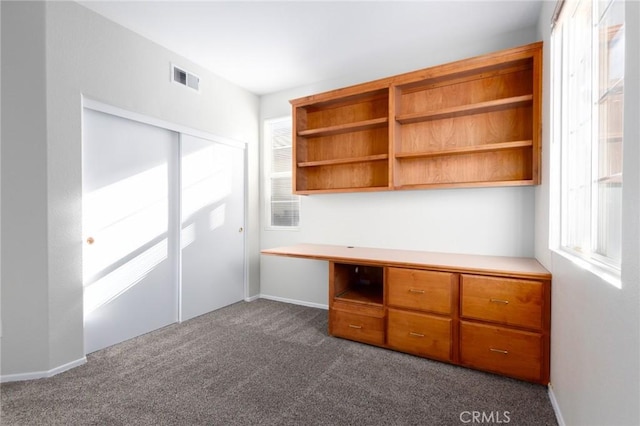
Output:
[[42, 374], [556, 407], [294, 301], [252, 298]]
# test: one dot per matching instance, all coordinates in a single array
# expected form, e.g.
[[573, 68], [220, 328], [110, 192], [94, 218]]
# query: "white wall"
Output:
[[494, 221], [66, 51], [595, 327], [0, 188], [24, 185]]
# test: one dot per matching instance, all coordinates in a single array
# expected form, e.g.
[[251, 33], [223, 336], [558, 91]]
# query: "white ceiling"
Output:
[[271, 46]]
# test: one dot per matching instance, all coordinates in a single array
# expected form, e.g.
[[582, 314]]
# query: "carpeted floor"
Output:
[[267, 363]]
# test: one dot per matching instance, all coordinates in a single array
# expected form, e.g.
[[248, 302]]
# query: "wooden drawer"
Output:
[[503, 300], [501, 350], [424, 290], [355, 326], [419, 334]]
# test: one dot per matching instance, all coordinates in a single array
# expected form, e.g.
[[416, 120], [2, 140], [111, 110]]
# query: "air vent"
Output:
[[185, 78]]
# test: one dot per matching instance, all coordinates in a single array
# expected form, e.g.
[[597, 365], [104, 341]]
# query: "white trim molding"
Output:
[[42, 374], [556, 407], [95, 105], [294, 301]]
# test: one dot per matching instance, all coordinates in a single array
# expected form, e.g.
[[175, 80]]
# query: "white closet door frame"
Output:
[[109, 109]]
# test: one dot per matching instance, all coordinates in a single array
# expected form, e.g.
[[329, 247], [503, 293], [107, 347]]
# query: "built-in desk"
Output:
[[491, 313]]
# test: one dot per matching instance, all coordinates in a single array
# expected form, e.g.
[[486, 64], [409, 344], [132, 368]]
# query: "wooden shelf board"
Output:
[[461, 110], [371, 296], [345, 128], [347, 95], [338, 190], [368, 158], [439, 185], [466, 150]]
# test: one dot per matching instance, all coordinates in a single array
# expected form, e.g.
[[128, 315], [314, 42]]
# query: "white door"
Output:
[[212, 237], [130, 226]]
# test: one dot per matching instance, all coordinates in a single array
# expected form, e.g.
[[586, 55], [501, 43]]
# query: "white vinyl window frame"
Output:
[[281, 206], [587, 91]]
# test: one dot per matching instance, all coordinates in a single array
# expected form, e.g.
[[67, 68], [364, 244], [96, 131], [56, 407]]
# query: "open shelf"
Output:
[[379, 157], [496, 69], [458, 111], [466, 150], [507, 167], [341, 141], [470, 127], [358, 284], [345, 128], [343, 175], [370, 295]]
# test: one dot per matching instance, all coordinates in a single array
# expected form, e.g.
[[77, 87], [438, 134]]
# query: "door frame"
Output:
[[181, 129]]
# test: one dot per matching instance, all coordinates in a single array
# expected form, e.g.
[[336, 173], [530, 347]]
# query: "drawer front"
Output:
[[422, 290], [510, 352], [502, 300], [353, 326], [419, 334]]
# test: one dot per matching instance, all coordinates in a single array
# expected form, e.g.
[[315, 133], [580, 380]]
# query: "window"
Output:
[[588, 43], [283, 208]]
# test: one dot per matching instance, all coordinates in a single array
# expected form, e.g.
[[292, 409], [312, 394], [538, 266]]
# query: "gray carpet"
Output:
[[267, 363]]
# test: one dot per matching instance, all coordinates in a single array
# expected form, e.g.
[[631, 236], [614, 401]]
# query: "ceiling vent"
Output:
[[185, 78]]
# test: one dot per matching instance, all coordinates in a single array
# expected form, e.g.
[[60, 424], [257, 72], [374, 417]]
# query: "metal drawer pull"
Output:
[[506, 302], [413, 290], [355, 326], [499, 351], [411, 333]]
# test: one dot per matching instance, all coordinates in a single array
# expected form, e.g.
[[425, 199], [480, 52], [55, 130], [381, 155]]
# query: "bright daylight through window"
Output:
[[283, 207], [588, 42]]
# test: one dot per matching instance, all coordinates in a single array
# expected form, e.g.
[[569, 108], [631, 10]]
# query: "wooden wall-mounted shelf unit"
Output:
[[474, 122], [342, 143]]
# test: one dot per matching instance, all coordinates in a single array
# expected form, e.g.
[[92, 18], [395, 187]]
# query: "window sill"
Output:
[[282, 228], [612, 277]]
